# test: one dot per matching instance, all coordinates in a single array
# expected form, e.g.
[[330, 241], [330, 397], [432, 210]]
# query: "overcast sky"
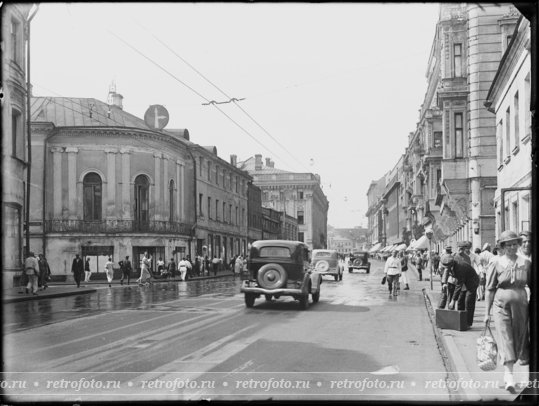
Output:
[[336, 86]]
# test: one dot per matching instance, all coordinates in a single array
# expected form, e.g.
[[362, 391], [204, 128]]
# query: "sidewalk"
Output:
[[460, 349], [61, 289]]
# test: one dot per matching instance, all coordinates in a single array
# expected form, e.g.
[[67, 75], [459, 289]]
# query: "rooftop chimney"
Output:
[[258, 162], [233, 160], [272, 164], [117, 100], [268, 162]]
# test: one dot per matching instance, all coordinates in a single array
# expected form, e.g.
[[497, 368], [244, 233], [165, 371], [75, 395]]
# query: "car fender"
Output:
[[316, 280]]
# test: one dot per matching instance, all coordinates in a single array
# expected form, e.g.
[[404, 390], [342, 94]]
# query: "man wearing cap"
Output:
[[484, 259], [393, 270], [526, 247], [461, 254], [449, 249], [465, 276]]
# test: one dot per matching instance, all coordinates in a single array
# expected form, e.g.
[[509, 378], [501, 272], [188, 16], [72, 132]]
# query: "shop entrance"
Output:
[[154, 252], [98, 256]]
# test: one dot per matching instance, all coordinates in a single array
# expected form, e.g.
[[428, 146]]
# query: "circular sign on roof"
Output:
[[156, 117]]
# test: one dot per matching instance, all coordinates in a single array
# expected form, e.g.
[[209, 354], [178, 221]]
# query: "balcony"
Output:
[[116, 227]]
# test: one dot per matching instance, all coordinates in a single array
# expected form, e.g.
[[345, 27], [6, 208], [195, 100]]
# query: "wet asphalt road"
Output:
[[197, 340]]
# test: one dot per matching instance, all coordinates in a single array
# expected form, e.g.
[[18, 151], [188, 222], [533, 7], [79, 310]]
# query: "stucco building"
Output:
[[298, 195], [509, 99], [374, 214]]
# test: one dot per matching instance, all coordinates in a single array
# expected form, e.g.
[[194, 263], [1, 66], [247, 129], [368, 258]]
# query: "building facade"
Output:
[[509, 99], [296, 194], [103, 187], [222, 208], [374, 195], [271, 224], [15, 36], [254, 212]]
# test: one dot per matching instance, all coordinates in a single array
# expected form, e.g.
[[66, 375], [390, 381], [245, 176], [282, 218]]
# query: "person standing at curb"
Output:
[[238, 265], [507, 278], [44, 271], [404, 269], [31, 267], [125, 267], [171, 268], [420, 265], [77, 269], [393, 271], [87, 271], [109, 270]]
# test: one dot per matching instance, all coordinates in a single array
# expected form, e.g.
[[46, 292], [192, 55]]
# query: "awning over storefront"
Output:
[[401, 247], [375, 248], [421, 244], [393, 248]]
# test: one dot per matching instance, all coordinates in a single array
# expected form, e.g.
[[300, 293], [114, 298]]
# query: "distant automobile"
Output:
[[326, 262], [359, 260], [280, 268]]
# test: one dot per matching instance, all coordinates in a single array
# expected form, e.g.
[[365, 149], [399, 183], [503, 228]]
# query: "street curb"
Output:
[[54, 295], [453, 361]]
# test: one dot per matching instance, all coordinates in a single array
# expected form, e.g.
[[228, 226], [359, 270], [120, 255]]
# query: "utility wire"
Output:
[[213, 102], [190, 88]]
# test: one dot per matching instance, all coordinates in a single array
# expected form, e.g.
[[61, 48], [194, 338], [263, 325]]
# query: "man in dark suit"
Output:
[[125, 266], [466, 276], [77, 268]]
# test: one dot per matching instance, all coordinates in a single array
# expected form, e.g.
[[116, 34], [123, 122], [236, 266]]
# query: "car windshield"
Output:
[[274, 252], [322, 254]]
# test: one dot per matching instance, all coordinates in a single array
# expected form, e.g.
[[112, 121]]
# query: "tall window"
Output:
[[516, 226], [300, 236], [209, 171], [209, 207], [230, 214], [224, 212], [171, 200], [499, 139], [300, 195], [516, 118], [457, 60], [301, 219], [437, 139], [217, 175], [200, 200], [459, 136], [16, 132], [230, 184], [92, 187], [15, 41], [142, 193], [508, 131], [237, 217], [201, 164], [12, 236], [216, 209], [237, 184], [242, 217]]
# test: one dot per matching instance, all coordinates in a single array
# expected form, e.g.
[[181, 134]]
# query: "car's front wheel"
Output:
[[249, 299], [304, 302]]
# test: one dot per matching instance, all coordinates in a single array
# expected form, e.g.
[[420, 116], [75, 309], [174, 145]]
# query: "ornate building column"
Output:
[[179, 183], [166, 195], [72, 181], [126, 185], [157, 187], [111, 183], [57, 179]]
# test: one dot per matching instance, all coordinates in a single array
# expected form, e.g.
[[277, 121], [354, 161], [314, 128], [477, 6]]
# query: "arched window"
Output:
[[142, 186], [92, 189], [171, 200]]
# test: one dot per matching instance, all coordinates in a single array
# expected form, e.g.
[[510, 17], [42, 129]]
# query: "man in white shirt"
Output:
[[182, 267], [393, 271], [484, 259]]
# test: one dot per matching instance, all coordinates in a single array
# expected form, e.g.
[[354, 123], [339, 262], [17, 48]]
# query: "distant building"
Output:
[[296, 194], [344, 246], [254, 211], [271, 224], [374, 213], [509, 99]]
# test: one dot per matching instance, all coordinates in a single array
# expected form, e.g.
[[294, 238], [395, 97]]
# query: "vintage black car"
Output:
[[359, 260], [326, 262], [280, 268]]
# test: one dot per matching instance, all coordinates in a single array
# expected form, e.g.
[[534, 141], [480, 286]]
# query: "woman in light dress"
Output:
[[238, 265], [145, 270], [109, 271]]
